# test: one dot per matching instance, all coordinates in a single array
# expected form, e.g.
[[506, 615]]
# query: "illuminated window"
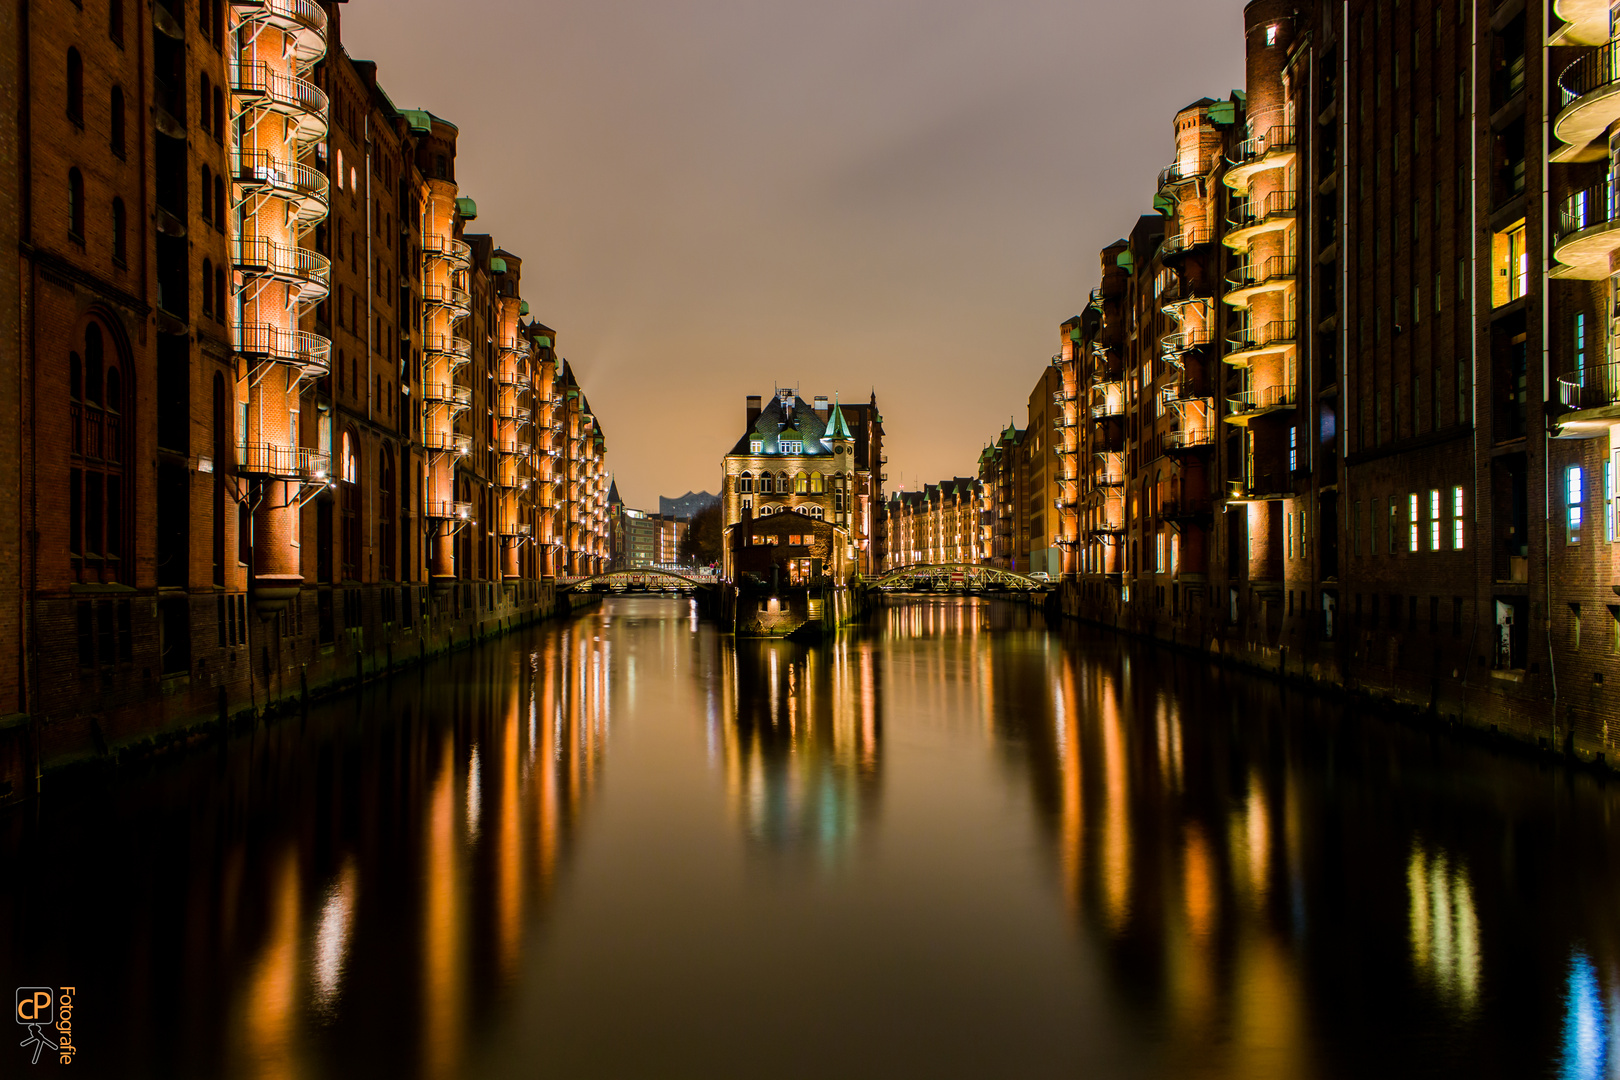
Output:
[[755, 446], [1412, 522], [1271, 34], [1572, 497], [1434, 520], [1457, 518], [1608, 501]]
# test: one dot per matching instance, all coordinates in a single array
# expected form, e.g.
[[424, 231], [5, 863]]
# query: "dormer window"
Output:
[[756, 446], [791, 446]]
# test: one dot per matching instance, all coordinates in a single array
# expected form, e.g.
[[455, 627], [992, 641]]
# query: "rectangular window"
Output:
[[1434, 519], [1394, 523], [1578, 340], [1462, 279], [1608, 501], [1412, 522], [1293, 450], [1457, 518], [1288, 535], [1572, 499], [1465, 409]]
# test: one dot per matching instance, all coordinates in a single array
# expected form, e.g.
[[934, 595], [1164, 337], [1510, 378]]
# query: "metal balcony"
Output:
[[446, 442], [259, 86], [1188, 440], [511, 412], [1185, 341], [1248, 222], [1246, 282], [516, 529], [308, 273], [449, 510], [310, 354], [1181, 172], [1179, 243], [304, 21], [1587, 234], [1252, 403], [455, 350], [1108, 399], [456, 301], [1279, 335], [457, 253], [305, 190], [456, 398], [516, 447], [1590, 88], [1273, 150], [274, 461], [1587, 22]]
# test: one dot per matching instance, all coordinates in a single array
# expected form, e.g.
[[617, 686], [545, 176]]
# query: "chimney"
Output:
[[822, 409], [753, 410]]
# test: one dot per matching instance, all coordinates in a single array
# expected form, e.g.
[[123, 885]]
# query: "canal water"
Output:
[[956, 842]]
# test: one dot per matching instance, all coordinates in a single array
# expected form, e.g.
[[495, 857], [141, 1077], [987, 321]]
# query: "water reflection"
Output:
[[802, 750], [1029, 853]]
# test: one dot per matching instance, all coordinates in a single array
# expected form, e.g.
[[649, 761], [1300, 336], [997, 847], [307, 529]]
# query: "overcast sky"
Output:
[[713, 198]]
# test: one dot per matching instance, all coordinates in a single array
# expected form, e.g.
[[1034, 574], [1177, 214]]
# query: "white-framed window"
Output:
[[1573, 482], [1457, 518], [1608, 501], [1412, 522], [1434, 519], [756, 446]]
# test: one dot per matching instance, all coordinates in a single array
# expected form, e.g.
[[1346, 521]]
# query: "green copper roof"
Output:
[[543, 341], [1074, 333], [418, 119], [837, 426], [1225, 112], [1126, 261], [466, 208], [1165, 205], [523, 309], [497, 265]]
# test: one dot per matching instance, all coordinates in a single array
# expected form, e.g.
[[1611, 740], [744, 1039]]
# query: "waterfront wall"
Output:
[[338, 639]]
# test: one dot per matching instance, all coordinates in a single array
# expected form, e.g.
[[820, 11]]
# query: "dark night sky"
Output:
[[716, 197]]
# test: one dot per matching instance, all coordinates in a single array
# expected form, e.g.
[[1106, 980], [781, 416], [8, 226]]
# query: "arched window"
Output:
[[818, 483], [97, 481], [76, 204], [817, 513], [75, 87], [204, 20], [745, 483], [115, 21], [207, 193], [208, 286], [120, 237], [801, 484], [115, 126], [349, 472], [205, 101]]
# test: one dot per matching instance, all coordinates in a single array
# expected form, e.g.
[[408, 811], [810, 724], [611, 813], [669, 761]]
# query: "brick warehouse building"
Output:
[[1344, 405], [283, 417]]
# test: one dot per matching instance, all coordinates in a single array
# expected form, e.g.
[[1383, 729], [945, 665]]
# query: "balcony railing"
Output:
[[512, 412], [309, 271], [1188, 238], [457, 397], [449, 509], [304, 20], [311, 353], [260, 172], [1592, 388], [1276, 332], [1268, 397], [1593, 71], [277, 462], [1586, 209], [256, 82], [1276, 268], [1279, 138], [457, 301], [458, 253], [1188, 439], [458, 350], [1185, 340], [447, 442], [1181, 172]]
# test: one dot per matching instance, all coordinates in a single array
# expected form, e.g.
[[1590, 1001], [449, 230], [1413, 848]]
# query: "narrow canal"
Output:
[[954, 843]]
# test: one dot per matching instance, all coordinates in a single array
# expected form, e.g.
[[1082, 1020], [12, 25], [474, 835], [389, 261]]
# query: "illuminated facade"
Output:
[[822, 458], [284, 417], [939, 524]]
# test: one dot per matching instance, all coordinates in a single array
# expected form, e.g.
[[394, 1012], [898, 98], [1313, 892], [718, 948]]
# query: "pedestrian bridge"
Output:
[[956, 577], [643, 579]]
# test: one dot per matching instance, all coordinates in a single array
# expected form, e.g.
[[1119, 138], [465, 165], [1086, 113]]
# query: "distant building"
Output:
[[686, 507], [937, 525], [822, 460], [1004, 473]]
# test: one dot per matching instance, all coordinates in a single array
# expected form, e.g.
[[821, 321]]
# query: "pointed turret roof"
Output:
[[837, 426]]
